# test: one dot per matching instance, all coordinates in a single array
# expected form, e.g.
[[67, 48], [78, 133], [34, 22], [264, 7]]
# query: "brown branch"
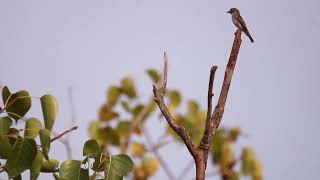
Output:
[[65, 132], [204, 144], [200, 154], [217, 114], [219, 109], [159, 91]]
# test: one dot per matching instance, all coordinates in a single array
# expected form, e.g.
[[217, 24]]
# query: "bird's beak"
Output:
[[229, 12]]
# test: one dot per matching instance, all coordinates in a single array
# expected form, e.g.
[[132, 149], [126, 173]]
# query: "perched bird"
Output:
[[239, 22]]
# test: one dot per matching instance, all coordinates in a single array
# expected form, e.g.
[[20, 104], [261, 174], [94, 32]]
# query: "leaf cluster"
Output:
[[19, 150]]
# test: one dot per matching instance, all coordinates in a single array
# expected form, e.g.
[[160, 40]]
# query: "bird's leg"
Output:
[[237, 31]]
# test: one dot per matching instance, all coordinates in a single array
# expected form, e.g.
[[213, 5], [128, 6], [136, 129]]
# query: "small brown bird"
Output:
[[239, 22]]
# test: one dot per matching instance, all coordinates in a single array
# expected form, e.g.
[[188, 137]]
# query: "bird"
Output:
[[239, 22]]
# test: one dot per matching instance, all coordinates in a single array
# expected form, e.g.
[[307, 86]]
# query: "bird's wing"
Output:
[[242, 23], [244, 28]]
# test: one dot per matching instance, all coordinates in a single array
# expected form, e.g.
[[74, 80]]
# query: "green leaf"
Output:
[[117, 166], [84, 174], [12, 135], [5, 147], [106, 113], [217, 145], [113, 95], [137, 109], [128, 87], [193, 107], [154, 75], [36, 166], [92, 149], [113, 176], [17, 104], [32, 128], [49, 109], [234, 133], [109, 135], [174, 99], [126, 106], [45, 142], [5, 123], [17, 177], [21, 157], [71, 170], [50, 166], [93, 129], [123, 128], [234, 175], [56, 177], [247, 163]]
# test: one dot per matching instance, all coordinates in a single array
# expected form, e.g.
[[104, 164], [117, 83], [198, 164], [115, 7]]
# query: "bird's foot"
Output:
[[238, 30]]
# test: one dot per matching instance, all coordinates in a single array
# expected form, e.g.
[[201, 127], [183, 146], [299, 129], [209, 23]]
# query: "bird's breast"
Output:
[[236, 22]]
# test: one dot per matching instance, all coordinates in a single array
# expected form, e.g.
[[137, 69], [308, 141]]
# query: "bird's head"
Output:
[[233, 10]]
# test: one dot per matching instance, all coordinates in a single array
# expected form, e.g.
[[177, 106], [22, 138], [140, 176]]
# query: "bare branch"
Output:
[[65, 132], [204, 144], [200, 154], [210, 91], [159, 91], [219, 109], [161, 144], [72, 107]]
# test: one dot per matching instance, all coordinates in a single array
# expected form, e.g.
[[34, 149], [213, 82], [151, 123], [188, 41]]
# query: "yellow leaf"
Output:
[[137, 149], [150, 165]]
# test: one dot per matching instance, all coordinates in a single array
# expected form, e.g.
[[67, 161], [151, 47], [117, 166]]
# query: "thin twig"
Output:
[[157, 154], [161, 144], [135, 123], [72, 107], [159, 91], [66, 141], [204, 144], [65, 132]]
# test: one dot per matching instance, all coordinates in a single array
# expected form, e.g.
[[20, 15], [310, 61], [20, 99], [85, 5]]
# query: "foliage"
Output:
[[119, 126], [119, 121], [20, 152]]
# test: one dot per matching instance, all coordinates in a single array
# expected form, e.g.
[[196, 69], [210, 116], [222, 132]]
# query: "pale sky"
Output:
[[47, 46]]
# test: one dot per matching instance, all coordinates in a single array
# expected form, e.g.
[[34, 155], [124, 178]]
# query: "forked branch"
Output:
[[159, 92], [200, 153]]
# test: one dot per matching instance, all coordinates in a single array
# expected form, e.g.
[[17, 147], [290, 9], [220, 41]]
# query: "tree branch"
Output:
[[65, 132], [219, 109], [204, 144], [200, 154], [159, 91]]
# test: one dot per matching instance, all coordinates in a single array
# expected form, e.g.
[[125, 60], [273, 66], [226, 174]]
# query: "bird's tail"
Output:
[[249, 36]]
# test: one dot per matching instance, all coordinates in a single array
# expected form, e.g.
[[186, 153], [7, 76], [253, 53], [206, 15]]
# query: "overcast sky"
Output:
[[47, 46]]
